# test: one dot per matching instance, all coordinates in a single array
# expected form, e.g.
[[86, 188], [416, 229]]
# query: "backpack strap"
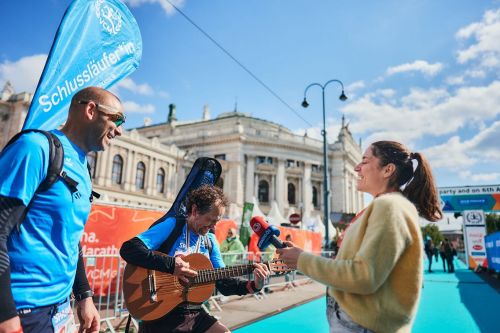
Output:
[[56, 157], [93, 194], [169, 242]]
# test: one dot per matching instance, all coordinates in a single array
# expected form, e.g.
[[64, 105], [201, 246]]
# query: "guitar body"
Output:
[[150, 294]]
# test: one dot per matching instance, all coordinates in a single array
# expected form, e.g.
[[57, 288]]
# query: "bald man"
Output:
[[40, 261]]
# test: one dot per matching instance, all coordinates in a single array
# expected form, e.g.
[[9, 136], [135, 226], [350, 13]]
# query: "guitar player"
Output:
[[205, 206]]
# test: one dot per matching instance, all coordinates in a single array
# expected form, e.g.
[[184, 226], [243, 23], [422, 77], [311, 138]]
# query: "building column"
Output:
[[129, 172], [150, 172], [281, 186], [307, 190], [250, 179]]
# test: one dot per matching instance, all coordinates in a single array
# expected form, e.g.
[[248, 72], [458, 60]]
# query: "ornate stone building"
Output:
[[262, 161], [266, 161]]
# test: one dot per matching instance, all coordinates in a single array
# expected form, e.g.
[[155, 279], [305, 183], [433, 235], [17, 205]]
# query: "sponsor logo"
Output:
[[109, 18], [473, 217], [477, 247], [256, 227]]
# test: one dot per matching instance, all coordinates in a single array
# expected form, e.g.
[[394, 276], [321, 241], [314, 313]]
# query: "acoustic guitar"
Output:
[[151, 294]]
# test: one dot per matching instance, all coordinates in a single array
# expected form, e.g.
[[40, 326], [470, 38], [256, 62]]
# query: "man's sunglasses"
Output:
[[116, 116]]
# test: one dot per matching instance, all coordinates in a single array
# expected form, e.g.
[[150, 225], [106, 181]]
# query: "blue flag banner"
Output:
[[97, 44]]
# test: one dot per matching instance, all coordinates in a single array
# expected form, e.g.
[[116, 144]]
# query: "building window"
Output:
[[263, 191], [92, 160], [160, 181], [315, 197], [116, 172], [264, 160], [291, 194], [221, 157], [290, 163], [315, 168], [139, 176]]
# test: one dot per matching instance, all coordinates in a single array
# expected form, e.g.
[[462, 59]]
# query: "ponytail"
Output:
[[418, 185], [421, 190]]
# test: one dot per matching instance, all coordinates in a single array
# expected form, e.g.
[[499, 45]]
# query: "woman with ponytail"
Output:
[[374, 283]]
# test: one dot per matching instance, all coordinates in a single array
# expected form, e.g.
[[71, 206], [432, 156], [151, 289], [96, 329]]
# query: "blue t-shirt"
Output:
[[44, 254], [154, 237]]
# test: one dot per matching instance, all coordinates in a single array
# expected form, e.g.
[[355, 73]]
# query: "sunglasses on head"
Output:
[[116, 116]]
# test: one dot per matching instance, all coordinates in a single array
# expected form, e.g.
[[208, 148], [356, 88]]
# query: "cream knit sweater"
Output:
[[377, 275]]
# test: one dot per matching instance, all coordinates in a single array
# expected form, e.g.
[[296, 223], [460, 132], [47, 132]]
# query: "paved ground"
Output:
[[239, 311]]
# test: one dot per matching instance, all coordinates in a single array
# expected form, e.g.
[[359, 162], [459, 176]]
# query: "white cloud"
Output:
[[456, 154], [480, 177], [141, 89], [486, 35], [165, 5], [416, 66], [455, 80], [433, 112], [133, 107], [24, 74]]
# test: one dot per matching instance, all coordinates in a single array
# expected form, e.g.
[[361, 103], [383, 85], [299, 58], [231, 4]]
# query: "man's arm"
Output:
[[11, 214], [135, 252]]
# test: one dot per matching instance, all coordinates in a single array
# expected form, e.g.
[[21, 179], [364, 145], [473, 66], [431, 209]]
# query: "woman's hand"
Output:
[[290, 254]]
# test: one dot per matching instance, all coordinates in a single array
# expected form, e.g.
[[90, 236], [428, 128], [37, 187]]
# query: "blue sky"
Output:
[[423, 72]]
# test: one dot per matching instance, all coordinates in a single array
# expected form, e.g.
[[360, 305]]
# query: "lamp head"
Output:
[[342, 96], [304, 103]]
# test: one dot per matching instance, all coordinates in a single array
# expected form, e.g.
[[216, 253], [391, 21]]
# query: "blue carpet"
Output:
[[451, 302]]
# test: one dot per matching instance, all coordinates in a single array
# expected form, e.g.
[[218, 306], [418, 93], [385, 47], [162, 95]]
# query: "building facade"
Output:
[[268, 162]]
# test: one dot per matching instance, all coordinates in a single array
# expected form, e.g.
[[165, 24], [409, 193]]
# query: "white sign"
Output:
[[460, 190], [475, 231]]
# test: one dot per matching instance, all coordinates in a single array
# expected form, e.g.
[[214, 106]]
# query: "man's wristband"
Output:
[[85, 294]]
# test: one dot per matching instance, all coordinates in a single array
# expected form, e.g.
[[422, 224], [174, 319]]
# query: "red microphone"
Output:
[[267, 233]]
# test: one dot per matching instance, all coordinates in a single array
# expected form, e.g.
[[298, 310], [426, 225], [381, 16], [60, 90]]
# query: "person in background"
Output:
[[449, 252], [232, 248], [40, 261], [442, 255], [375, 281], [429, 251]]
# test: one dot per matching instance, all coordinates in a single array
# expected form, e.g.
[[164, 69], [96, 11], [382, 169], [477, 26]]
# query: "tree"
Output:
[[492, 223], [431, 230]]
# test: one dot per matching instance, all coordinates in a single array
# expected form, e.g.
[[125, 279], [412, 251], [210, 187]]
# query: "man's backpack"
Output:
[[56, 162]]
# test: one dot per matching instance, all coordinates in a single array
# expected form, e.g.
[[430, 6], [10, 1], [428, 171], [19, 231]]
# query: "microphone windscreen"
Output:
[[259, 225]]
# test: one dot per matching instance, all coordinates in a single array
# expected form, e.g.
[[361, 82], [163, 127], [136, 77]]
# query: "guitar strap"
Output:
[[180, 221]]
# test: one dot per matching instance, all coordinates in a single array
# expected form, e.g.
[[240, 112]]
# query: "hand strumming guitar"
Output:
[[182, 270]]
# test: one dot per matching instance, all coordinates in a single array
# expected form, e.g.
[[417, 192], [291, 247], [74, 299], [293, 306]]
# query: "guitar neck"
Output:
[[211, 275]]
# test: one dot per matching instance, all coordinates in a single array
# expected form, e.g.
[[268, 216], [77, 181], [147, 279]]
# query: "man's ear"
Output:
[[194, 210], [389, 170], [90, 111]]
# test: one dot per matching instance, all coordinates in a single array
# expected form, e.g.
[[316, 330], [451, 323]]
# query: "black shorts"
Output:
[[180, 320]]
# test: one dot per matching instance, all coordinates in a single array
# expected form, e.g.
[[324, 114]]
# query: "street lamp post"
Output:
[[326, 188]]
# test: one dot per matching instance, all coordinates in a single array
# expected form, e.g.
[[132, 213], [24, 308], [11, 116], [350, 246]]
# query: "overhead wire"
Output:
[[255, 77]]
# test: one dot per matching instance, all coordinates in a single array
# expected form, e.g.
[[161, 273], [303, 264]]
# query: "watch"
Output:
[[85, 294]]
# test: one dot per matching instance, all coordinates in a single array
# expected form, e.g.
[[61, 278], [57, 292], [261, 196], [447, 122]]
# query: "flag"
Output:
[[97, 44], [245, 232]]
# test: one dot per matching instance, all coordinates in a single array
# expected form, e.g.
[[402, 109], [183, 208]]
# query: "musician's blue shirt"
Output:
[[154, 237]]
